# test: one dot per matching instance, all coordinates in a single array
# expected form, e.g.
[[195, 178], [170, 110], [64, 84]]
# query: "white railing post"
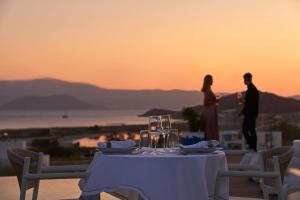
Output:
[[37, 182], [23, 182], [278, 182]]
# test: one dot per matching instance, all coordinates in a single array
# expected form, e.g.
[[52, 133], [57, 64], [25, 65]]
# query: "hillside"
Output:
[[87, 96], [56, 102], [296, 97], [109, 98], [269, 103]]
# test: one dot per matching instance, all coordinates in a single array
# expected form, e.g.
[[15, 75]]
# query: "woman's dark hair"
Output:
[[207, 83]]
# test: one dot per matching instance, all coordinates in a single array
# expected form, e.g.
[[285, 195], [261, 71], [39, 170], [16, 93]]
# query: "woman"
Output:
[[209, 115]]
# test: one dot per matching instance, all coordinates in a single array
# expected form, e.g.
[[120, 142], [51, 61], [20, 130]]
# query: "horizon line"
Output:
[[144, 89]]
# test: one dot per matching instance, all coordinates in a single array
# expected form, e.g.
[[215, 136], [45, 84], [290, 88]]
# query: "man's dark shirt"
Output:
[[251, 106]]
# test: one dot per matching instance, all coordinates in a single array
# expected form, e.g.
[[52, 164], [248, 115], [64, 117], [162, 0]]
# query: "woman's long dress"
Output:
[[210, 117]]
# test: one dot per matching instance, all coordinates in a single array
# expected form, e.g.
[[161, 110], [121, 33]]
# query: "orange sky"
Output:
[[145, 44]]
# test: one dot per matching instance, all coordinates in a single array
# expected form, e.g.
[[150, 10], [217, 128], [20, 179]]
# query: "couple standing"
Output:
[[250, 111]]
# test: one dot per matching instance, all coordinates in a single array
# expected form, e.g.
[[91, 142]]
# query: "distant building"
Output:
[[269, 140], [265, 139], [232, 139]]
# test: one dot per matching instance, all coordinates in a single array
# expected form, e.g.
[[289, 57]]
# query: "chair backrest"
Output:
[[267, 156], [275, 160], [282, 162], [16, 157]]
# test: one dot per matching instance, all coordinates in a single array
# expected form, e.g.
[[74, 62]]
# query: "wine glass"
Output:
[[173, 138], [156, 139], [154, 123], [239, 97], [145, 139], [154, 128], [218, 97], [165, 127]]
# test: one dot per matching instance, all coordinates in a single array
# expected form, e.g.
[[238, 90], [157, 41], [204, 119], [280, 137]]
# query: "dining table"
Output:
[[158, 174]]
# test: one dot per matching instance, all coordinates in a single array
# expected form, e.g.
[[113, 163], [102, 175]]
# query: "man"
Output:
[[250, 112]]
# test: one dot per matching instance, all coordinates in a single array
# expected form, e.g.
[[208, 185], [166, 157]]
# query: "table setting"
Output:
[[129, 147], [146, 170]]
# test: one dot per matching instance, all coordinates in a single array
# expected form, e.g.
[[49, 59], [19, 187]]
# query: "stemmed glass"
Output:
[[218, 97], [154, 123], [154, 129], [145, 138], [155, 137], [165, 127], [240, 97], [173, 137]]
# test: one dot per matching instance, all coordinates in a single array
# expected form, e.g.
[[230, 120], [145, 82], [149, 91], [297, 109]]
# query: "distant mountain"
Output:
[[109, 98], [269, 103], [56, 102], [296, 97]]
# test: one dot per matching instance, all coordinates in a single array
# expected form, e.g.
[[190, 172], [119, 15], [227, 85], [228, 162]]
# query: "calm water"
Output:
[[41, 119]]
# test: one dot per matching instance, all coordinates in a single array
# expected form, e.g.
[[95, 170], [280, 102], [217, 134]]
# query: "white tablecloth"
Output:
[[166, 176]]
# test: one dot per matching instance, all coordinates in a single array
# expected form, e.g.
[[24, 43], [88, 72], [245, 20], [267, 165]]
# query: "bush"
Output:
[[59, 151], [51, 147], [289, 132], [7, 171], [192, 117], [41, 143]]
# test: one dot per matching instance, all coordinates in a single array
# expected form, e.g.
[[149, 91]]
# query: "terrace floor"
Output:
[[240, 189], [57, 190]]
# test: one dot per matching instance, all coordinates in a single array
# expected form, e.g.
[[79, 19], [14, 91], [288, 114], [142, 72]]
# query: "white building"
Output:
[[269, 139], [265, 139]]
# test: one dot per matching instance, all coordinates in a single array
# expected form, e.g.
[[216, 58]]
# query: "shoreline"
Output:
[[77, 131]]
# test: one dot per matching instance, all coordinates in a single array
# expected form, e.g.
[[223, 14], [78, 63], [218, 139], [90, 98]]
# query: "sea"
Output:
[[75, 118]]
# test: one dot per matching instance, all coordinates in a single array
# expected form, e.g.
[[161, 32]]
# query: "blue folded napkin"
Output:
[[191, 140]]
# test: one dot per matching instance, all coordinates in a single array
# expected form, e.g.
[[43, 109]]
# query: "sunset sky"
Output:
[[153, 44]]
